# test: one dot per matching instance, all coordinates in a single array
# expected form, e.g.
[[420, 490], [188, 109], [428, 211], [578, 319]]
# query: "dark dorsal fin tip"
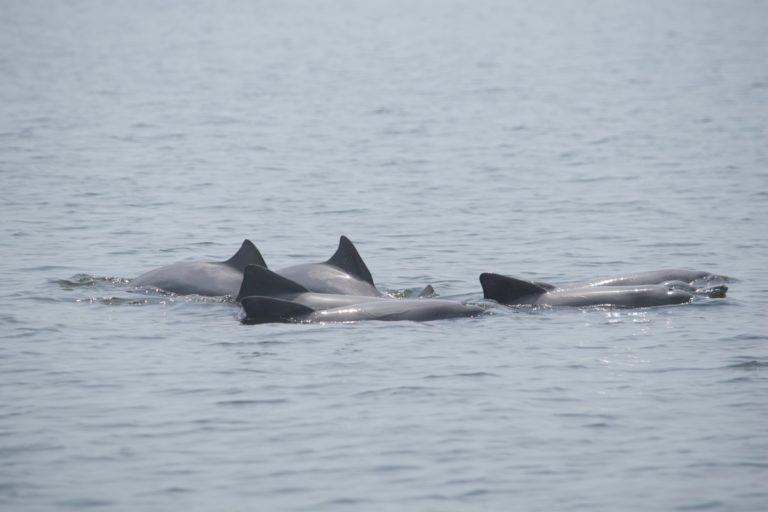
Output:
[[260, 310], [508, 290], [427, 292], [258, 280], [248, 254], [348, 259], [546, 286]]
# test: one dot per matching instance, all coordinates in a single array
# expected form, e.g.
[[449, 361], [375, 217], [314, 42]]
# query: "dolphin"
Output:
[[269, 297], [669, 275], [513, 292], [259, 310], [202, 277], [688, 280], [260, 281], [344, 273]]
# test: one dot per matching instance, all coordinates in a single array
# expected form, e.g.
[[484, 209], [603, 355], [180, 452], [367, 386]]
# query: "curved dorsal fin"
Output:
[[258, 280], [248, 254], [427, 292], [508, 290], [348, 259], [261, 310]]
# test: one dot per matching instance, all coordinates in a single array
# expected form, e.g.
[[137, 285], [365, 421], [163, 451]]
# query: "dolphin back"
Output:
[[348, 259], [260, 281], [248, 254], [508, 290], [659, 277], [262, 310]]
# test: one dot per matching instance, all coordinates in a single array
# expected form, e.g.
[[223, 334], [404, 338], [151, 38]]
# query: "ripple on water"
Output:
[[85, 280], [748, 364]]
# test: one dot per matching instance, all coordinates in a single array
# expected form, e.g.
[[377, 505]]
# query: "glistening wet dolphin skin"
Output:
[[260, 281], [344, 273], [202, 277], [261, 310], [658, 277], [697, 282], [516, 292]]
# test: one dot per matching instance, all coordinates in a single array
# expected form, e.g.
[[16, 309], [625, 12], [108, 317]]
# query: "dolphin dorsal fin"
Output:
[[508, 290], [258, 280], [348, 259], [427, 292], [261, 310], [248, 254], [546, 286]]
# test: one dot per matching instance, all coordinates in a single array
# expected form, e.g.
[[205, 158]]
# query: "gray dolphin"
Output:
[[260, 281], [692, 281], [669, 275], [344, 273], [269, 297], [261, 310], [202, 277], [512, 292]]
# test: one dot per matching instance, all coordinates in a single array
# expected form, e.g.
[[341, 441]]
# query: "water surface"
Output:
[[555, 141]]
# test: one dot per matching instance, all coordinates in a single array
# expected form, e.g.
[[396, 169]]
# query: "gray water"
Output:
[[558, 141]]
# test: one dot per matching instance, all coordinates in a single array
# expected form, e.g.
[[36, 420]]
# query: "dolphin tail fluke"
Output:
[[258, 280], [508, 290], [263, 310], [348, 259], [248, 254]]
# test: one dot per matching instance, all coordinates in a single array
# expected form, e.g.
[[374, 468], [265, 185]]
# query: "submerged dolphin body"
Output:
[[261, 310], [344, 273], [202, 277], [514, 292]]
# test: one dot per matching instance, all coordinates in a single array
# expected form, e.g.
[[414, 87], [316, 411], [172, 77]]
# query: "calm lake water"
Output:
[[557, 141]]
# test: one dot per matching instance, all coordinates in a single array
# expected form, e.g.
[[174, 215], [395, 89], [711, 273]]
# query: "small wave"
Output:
[[412, 293], [89, 281], [715, 278], [707, 505], [752, 364], [399, 390], [242, 403], [85, 503], [470, 375], [749, 337], [161, 300], [122, 301]]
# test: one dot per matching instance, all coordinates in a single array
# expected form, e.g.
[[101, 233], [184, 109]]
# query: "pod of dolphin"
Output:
[[342, 289]]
